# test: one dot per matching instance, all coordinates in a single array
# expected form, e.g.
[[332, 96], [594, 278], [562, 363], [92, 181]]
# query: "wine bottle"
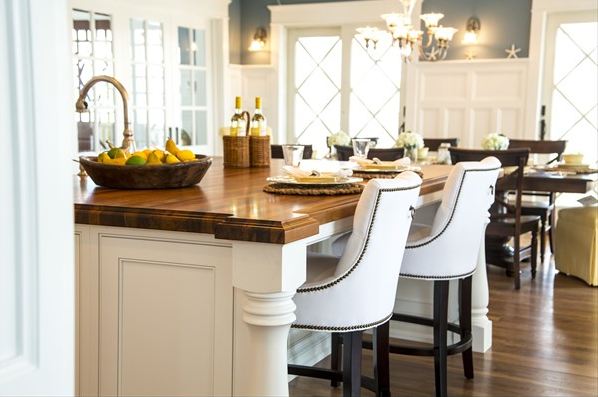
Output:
[[238, 123], [258, 121]]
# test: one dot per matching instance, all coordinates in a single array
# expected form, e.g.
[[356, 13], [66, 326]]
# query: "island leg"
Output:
[[481, 326], [265, 277]]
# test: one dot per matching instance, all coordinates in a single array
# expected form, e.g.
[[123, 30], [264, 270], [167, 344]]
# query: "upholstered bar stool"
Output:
[[356, 292], [446, 250]]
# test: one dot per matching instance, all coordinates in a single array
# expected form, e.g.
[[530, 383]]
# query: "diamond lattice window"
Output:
[[317, 83], [574, 114]]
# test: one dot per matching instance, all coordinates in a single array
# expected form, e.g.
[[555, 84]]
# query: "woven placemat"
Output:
[[334, 190], [381, 175]]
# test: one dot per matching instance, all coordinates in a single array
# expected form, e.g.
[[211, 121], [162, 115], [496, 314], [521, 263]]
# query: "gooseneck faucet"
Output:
[[81, 106]]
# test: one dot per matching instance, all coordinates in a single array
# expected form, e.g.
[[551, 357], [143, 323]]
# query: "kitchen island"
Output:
[[190, 291]]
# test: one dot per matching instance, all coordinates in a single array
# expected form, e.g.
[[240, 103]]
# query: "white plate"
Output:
[[389, 170], [292, 181]]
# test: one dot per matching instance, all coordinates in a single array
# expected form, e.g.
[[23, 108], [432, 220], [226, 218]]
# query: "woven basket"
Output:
[[236, 151], [259, 150]]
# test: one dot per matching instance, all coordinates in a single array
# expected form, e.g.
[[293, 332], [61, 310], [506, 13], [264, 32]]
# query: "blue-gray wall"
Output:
[[504, 22]]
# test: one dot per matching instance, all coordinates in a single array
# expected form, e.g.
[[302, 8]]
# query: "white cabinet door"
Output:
[[165, 317]]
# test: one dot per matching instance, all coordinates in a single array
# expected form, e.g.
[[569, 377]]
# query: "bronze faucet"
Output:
[[81, 106]]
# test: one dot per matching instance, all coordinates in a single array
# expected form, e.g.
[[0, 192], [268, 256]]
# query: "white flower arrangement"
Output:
[[495, 141], [410, 140], [340, 138]]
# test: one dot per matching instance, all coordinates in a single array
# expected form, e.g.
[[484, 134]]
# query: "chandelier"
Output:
[[409, 40]]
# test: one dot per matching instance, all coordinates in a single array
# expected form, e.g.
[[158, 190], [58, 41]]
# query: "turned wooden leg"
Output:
[[336, 354], [381, 359], [441, 289], [517, 263], [465, 323], [534, 259], [542, 237], [551, 230], [352, 364]]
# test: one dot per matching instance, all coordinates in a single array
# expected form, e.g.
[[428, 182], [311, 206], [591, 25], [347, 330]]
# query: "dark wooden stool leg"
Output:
[[551, 229], [517, 263], [542, 237], [441, 289], [534, 258], [381, 344], [465, 323], [352, 364], [336, 354]]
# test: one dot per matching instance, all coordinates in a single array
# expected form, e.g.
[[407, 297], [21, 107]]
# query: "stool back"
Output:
[[343, 153], [434, 143]]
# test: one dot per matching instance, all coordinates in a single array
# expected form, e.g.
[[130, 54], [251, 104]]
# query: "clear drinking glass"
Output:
[[292, 154], [361, 147]]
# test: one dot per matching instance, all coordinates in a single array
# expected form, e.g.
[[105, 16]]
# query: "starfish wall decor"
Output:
[[512, 52]]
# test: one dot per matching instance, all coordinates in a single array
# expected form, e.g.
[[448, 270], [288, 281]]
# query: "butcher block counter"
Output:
[[190, 291]]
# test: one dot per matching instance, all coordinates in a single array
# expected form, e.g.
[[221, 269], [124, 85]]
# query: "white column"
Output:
[[481, 325], [266, 277]]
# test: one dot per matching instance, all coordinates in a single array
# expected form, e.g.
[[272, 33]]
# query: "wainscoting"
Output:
[[468, 99]]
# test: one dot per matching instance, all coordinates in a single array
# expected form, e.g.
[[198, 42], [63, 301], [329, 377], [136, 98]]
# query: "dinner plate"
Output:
[[378, 170], [315, 180]]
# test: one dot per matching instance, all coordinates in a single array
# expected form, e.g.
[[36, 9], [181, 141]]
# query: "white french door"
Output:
[[570, 81], [335, 83]]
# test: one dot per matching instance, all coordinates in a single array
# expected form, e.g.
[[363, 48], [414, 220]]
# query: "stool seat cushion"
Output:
[[575, 245]]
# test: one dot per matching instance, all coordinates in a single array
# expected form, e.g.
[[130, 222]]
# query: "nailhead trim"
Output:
[[342, 329], [443, 230], [367, 239]]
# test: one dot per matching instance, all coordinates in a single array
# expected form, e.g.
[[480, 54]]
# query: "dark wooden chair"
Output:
[[276, 151], [343, 153], [542, 208], [434, 143], [507, 220]]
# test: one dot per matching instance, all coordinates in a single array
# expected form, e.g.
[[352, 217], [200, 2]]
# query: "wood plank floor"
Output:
[[545, 344]]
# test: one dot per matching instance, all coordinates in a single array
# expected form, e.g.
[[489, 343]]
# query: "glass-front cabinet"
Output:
[[162, 61]]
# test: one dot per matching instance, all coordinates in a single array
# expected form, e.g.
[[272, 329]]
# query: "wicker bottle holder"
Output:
[[236, 151], [259, 151]]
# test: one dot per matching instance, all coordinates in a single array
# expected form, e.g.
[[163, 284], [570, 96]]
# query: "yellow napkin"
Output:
[[375, 163], [302, 175]]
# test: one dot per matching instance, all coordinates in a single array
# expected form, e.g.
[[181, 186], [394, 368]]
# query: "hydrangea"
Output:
[[341, 138], [410, 140], [495, 141]]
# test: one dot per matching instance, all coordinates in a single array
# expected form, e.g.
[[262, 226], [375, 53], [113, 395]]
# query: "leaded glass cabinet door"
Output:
[[191, 115], [571, 80]]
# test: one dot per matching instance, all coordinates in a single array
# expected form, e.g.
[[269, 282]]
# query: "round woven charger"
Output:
[[334, 190], [381, 175]]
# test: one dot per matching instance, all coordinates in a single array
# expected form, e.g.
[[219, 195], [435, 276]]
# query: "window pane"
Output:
[[201, 128], [156, 127], [184, 46], [199, 47], [186, 123], [200, 87], [375, 91], [317, 81], [140, 128], [186, 88]]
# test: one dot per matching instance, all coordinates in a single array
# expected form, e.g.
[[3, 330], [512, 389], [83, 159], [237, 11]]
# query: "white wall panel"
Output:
[[468, 99]]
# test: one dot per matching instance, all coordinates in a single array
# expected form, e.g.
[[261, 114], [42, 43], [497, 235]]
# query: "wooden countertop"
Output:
[[228, 203]]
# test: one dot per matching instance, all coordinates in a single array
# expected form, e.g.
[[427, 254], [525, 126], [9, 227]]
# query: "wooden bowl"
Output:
[[166, 176]]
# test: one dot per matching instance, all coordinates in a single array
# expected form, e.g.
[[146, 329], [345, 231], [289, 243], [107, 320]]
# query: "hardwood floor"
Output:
[[545, 344]]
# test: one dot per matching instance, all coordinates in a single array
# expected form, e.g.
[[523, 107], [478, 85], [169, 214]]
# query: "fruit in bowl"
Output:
[[150, 157], [147, 169]]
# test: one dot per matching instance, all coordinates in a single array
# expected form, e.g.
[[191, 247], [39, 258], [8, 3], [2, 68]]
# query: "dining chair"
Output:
[[507, 220], [276, 152], [355, 292], [434, 143], [344, 153], [445, 250], [544, 208]]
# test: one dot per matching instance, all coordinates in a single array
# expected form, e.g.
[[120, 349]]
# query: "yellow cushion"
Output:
[[576, 242]]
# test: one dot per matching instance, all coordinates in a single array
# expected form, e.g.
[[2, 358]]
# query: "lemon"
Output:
[[136, 160], [171, 159], [185, 155], [160, 154], [153, 159], [140, 154], [118, 161], [147, 151], [171, 146], [112, 152], [119, 154], [103, 157]]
